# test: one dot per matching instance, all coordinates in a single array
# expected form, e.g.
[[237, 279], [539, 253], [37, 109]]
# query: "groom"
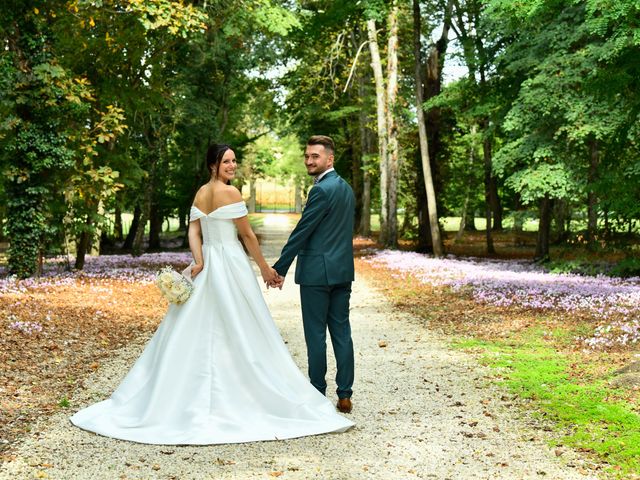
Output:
[[323, 242]]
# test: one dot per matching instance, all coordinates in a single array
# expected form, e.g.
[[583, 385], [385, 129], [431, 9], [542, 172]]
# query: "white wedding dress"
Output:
[[216, 370]]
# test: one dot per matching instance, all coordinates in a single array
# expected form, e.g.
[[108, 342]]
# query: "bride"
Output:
[[216, 370]]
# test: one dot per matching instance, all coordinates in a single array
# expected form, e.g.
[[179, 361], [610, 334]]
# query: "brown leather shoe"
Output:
[[344, 405]]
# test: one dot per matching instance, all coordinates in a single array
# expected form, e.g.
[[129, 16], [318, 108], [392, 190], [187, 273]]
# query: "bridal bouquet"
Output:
[[175, 287]]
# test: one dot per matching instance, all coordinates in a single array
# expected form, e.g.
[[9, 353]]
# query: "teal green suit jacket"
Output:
[[323, 238]]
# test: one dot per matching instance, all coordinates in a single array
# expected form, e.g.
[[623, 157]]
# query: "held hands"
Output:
[[268, 274], [278, 282], [272, 278]]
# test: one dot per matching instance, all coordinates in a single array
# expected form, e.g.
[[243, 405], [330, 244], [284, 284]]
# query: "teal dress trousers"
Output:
[[323, 242]]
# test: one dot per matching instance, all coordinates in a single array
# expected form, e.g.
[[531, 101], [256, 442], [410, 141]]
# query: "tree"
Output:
[[563, 120], [329, 92], [386, 99], [436, 240], [48, 111]]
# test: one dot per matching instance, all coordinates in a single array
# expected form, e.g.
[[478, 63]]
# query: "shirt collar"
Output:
[[319, 177]]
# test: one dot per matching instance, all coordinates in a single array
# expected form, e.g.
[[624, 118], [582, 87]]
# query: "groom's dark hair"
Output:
[[326, 142]]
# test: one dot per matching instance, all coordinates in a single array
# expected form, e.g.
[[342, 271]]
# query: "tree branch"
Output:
[[353, 66]]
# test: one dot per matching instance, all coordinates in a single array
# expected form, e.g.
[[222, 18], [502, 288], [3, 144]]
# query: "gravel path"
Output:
[[422, 411]]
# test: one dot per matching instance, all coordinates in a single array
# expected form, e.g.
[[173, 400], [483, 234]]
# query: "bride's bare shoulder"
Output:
[[207, 199], [203, 196], [204, 190], [232, 194]]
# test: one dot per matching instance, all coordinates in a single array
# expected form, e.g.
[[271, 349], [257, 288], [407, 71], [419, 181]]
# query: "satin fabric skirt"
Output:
[[215, 371]]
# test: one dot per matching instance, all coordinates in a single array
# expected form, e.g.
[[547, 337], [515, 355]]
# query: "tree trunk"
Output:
[[153, 157], [465, 219], [364, 228], [83, 244], [252, 195], [436, 239], [467, 193], [376, 66], [155, 226], [183, 218], [425, 243], [365, 221], [135, 223], [431, 76], [406, 226], [592, 200], [117, 224], [470, 220], [136, 248], [496, 205], [518, 221], [561, 212], [298, 195], [354, 150], [40, 268], [544, 230], [486, 150], [392, 127], [95, 238]]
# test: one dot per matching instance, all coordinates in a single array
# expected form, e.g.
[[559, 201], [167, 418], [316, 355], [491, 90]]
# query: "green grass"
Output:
[[451, 224], [274, 207], [586, 416]]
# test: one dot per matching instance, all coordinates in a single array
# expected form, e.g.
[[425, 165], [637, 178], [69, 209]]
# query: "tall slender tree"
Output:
[[438, 249]]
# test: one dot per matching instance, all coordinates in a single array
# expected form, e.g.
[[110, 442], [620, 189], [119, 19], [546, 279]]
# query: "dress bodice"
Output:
[[217, 226]]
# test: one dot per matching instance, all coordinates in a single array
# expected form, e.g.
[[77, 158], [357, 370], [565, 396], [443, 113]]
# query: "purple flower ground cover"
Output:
[[125, 268], [613, 303]]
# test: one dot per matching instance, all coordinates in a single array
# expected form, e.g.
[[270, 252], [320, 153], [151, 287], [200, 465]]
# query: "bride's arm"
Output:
[[251, 242], [195, 245]]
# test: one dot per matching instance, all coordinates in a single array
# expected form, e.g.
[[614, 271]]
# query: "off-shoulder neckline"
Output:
[[212, 211]]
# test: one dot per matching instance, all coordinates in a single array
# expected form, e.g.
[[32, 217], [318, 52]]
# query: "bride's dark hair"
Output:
[[214, 156]]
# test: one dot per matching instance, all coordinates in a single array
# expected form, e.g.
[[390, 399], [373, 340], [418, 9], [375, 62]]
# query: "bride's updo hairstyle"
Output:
[[214, 157]]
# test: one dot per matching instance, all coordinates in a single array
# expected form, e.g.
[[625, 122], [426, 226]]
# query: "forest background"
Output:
[[108, 107], [449, 116]]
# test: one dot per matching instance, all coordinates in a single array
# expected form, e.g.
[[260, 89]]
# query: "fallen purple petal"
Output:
[[613, 302]]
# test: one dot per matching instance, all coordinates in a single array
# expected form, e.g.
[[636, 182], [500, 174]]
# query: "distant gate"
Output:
[[272, 197]]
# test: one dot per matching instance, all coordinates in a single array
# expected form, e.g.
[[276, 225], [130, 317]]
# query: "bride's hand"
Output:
[[268, 275], [196, 269]]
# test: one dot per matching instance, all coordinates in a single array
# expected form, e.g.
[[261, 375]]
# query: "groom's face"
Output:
[[317, 159]]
